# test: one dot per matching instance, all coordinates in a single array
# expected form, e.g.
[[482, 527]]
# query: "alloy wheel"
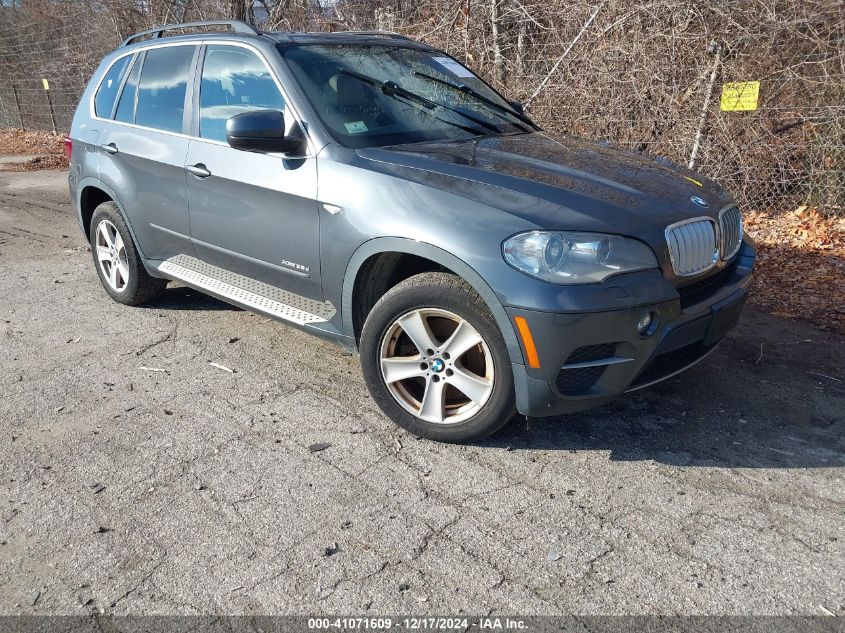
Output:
[[111, 256], [436, 365]]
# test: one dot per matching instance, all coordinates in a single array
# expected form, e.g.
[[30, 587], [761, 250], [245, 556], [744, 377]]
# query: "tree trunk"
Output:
[[467, 16], [241, 10], [521, 38], [498, 58]]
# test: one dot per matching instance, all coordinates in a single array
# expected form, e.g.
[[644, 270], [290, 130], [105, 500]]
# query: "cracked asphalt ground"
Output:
[[193, 490]]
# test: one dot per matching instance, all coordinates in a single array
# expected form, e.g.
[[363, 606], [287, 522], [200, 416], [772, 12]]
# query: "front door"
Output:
[[253, 214]]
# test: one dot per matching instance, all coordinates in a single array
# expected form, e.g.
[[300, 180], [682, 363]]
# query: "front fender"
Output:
[[379, 245]]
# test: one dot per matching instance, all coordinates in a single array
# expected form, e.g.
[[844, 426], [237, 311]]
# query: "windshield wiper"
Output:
[[463, 88], [392, 89]]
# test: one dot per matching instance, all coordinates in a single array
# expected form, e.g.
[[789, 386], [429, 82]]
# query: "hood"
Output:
[[590, 186]]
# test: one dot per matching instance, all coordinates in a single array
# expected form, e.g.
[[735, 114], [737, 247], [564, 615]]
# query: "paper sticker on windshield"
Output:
[[356, 127], [453, 67]]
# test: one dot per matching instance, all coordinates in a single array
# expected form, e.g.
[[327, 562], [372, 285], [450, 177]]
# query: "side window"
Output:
[[234, 80], [161, 91], [126, 105], [107, 92]]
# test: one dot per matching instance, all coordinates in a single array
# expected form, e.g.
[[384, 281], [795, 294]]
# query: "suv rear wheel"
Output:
[[117, 261], [435, 361]]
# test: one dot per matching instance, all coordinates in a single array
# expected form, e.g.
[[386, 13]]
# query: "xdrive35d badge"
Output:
[[373, 190]]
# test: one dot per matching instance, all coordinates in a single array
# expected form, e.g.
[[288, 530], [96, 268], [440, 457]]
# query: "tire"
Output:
[[409, 384], [117, 261]]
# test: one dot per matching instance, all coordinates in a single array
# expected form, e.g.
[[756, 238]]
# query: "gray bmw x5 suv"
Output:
[[373, 190]]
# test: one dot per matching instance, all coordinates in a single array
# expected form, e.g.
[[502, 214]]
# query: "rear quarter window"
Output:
[[107, 92]]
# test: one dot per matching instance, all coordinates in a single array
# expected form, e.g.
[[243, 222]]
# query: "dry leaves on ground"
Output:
[[800, 270], [15, 141], [50, 161], [49, 147]]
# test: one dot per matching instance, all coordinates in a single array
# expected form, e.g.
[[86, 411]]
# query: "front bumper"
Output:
[[588, 358]]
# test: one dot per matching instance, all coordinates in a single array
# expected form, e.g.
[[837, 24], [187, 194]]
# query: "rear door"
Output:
[[143, 149], [251, 213]]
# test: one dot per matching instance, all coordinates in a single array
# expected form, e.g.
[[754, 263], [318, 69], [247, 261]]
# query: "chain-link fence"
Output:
[[655, 76], [27, 105]]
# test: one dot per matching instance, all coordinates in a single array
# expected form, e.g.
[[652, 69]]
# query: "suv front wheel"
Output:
[[435, 361]]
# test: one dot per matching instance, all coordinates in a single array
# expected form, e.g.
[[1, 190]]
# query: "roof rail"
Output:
[[236, 25], [391, 34]]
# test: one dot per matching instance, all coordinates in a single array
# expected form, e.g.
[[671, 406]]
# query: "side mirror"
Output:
[[260, 131], [517, 105]]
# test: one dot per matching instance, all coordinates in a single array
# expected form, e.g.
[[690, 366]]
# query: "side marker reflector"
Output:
[[527, 342]]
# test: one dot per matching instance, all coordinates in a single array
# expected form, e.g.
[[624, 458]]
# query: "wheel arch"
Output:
[[441, 260], [91, 193]]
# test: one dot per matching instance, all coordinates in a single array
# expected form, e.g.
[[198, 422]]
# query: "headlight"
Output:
[[576, 258]]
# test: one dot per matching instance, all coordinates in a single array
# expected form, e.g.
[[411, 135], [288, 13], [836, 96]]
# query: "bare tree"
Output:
[[636, 74], [496, 27], [242, 10]]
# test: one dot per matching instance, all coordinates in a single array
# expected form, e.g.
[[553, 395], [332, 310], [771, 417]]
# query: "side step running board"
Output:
[[247, 292]]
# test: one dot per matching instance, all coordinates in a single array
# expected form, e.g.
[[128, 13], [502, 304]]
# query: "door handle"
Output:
[[109, 148], [199, 170]]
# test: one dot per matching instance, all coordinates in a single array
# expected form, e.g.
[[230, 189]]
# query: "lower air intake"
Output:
[[575, 380]]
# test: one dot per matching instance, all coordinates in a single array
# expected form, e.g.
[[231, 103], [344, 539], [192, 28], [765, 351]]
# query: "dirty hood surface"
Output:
[[583, 180]]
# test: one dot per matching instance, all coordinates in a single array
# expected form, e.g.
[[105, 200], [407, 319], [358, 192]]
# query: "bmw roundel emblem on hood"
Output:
[[700, 201]]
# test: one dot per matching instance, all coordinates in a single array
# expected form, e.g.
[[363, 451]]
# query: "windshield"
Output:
[[371, 95]]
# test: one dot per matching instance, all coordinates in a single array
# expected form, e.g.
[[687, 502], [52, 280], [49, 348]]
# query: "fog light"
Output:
[[647, 324]]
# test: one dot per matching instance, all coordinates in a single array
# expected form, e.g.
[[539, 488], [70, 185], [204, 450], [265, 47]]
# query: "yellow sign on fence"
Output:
[[740, 96], [46, 84]]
